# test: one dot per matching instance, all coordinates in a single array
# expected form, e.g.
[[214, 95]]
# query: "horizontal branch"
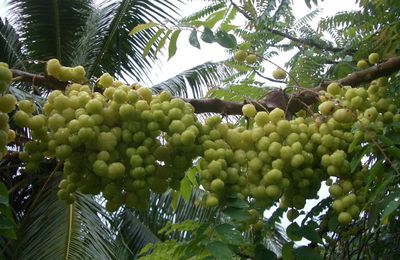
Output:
[[39, 79], [364, 76], [277, 98]]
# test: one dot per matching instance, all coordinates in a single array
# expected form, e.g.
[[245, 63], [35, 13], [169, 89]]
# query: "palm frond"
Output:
[[48, 29], [198, 80], [55, 230], [10, 46], [108, 44]]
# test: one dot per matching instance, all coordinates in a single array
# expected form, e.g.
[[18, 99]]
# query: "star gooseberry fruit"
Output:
[[279, 73], [373, 58], [240, 55], [251, 59]]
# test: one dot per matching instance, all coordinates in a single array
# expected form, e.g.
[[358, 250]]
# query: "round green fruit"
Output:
[[240, 55], [249, 110], [373, 58], [362, 64], [251, 59], [279, 73], [344, 218]]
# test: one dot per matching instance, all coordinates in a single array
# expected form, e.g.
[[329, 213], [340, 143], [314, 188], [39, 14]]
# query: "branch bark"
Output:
[[277, 98], [363, 76], [39, 79]]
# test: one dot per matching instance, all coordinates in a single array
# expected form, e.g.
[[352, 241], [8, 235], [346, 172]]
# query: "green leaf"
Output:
[[151, 42], [236, 203], [229, 234], [207, 36], [306, 253], [394, 151], [310, 234], [356, 161], [142, 27], [172, 44], [385, 140], [261, 253], [162, 42], [191, 174], [287, 251], [293, 232], [236, 213], [333, 222], [225, 40], [175, 198], [186, 188], [214, 18], [375, 170], [391, 207], [394, 136], [193, 39], [219, 250]]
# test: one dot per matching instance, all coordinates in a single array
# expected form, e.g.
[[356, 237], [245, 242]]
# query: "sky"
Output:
[[188, 57]]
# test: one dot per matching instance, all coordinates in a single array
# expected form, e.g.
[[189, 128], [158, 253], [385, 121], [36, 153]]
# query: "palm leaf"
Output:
[[198, 80], [106, 43], [10, 46], [54, 230], [137, 228], [48, 28]]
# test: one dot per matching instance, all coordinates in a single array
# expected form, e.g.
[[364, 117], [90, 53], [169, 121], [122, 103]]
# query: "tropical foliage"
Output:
[[124, 38]]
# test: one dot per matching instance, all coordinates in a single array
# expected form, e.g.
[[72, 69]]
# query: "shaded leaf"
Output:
[[229, 234], [207, 35], [219, 250], [193, 39], [172, 44], [225, 40]]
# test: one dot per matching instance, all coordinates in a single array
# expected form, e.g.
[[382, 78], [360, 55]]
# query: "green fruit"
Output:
[[292, 214], [279, 74], [373, 58], [53, 68], [343, 115], [334, 88], [106, 80], [344, 218], [251, 59], [249, 110], [211, 201], [326, 107], [116, 170], [240, 55], [335, 191], [7, 103], [276, 115], [261, 118], [362, 64]]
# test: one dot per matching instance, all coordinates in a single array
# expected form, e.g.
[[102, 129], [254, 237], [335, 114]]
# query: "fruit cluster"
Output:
[[126, 142], [122, 143], [280, 159], [7, 105], [75, 74]]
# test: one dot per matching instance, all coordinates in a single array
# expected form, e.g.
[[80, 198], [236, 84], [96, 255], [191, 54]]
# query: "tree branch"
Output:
[[35, 79], [277, 98], [363, 76]]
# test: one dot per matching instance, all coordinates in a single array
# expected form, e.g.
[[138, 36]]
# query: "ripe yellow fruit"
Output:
[[279, 73], [333, 88], [373, 58]]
